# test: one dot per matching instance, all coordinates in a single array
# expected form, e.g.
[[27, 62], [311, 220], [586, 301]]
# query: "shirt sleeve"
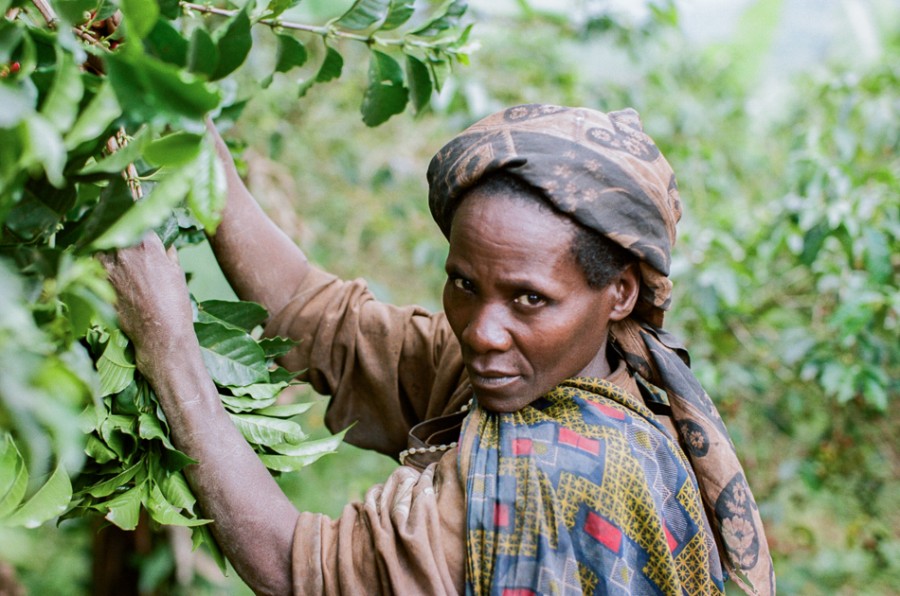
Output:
[[406, 537], [378, 362]]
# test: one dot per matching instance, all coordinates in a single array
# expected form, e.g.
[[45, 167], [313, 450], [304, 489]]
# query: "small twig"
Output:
[[47, 12], [51, 19], [130, 174]]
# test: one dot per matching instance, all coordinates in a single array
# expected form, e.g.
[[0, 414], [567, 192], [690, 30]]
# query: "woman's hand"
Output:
[[253, 519], [153, 301]]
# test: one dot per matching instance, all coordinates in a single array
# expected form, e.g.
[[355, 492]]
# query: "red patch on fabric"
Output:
[[522, 446], [570, 437], [608, 411], [673, 544], [518, 592], [501, 515], [604, 532]]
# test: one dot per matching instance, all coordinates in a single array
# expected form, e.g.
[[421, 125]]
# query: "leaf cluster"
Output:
[[133, 465], [102, 138]]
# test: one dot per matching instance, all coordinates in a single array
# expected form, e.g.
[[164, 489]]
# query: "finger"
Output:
[[172, 254]]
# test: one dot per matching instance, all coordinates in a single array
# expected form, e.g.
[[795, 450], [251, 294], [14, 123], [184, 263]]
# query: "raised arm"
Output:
[[261, 262], [252, 518]]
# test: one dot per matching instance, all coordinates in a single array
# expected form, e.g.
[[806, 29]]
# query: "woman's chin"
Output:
[[502, 394]]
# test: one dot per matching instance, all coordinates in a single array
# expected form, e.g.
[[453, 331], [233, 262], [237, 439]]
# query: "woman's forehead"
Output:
[[509, 233]]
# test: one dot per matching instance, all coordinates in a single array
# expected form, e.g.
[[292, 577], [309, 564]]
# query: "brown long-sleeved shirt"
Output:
[[398, 372]]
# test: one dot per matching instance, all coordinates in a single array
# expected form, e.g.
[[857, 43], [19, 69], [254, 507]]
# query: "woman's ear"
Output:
[[625, 289]]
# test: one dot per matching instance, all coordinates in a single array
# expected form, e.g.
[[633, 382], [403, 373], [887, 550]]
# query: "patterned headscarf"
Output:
[[605, 173]]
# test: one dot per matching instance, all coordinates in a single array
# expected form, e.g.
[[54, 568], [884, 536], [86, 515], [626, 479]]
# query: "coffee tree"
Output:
[[103, 138]]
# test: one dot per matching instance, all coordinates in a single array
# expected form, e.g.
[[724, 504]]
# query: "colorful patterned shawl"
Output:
[[582, 492], [604, 172]]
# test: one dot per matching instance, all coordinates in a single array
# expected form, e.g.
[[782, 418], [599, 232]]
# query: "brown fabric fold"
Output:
[[605, 173]]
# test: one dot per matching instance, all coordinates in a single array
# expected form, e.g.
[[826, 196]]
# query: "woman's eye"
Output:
[[530, 299], [463, 284]]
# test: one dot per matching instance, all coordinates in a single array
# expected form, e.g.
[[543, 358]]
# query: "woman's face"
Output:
[[519, 303]]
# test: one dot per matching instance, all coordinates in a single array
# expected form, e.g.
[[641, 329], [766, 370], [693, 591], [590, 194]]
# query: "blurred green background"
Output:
[[781, 119], [782, 122]]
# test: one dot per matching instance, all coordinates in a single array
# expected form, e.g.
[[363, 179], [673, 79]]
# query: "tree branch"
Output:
[[323, 31], [47, 12]]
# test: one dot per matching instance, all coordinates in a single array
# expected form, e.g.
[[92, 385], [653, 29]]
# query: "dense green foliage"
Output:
[[102, 138], [786, 269]]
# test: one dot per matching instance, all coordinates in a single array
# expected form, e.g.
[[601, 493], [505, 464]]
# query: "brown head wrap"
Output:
[[605, 173]]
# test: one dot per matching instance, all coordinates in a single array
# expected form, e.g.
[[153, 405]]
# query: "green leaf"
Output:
[[176, 490], [286, 410], [419, 80], [17, 105], [13, 476], [48, 502], [233, 42], [150, 90], [203, 535], [238, 314], [232, 357], [175, 149], [443, 20], [203, 56], [385, 95], [73, 10], [295, 457], [121, 159], [171, 9], [140, 16], [877, 255], [166, 43], [363, 14], [150, 427], [399, 13], [165, 513], [46, 148], [61, 105], [96, 118], [98, 451], [276, 7], [260, 390], [108, 487], [116, 367], [291, 53], [206, 199], [245, 404], [262, 430], [280, 374], [331, 66], [115, 200], [275, 347], [147, 213], [125, 509]]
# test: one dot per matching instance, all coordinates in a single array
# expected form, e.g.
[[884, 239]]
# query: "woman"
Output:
[[552, 436]]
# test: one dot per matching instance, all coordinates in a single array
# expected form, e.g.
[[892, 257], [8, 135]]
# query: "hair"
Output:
[[599, 258]]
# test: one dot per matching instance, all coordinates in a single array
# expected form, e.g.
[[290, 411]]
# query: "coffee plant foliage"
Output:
[[103, 138]]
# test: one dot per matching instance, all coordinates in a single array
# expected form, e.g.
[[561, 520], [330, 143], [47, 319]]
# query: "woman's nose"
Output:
[[487, 331]]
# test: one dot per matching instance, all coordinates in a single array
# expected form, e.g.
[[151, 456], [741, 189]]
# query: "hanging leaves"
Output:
[[386, 95], [99, 109]]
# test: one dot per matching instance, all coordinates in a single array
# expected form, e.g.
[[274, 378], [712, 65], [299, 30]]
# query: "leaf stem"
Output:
[[324, 31]]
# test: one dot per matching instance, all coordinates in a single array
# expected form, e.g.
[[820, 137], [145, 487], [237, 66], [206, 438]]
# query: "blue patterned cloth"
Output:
[[582, 492]]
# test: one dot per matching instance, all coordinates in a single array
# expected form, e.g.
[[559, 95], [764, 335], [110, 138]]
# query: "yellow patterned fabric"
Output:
[[582, 492]]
